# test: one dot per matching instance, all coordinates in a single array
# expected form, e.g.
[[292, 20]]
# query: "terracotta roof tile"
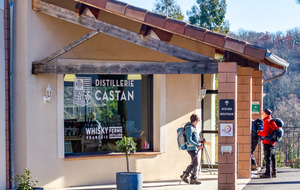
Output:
[[136, 12], [155, 19], [116, 6], [255, 51], [98, 3], [175, 25], [195, 32], [235, 45], [215, 38]]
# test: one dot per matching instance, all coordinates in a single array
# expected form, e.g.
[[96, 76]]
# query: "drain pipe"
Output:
[[278, 61], [275, 77], [12, 160]]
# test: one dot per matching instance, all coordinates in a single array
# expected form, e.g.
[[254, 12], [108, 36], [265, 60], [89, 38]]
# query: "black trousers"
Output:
[[270, 157], [254, 143], [192, 169]]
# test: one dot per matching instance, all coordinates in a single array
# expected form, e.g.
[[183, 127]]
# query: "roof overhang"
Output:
[[86, 12]]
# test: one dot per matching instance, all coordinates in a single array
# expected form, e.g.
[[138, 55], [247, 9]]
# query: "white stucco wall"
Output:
[[2, 101], [37, 131]]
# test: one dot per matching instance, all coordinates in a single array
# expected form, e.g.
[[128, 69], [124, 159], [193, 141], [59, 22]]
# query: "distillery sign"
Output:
[[226, 110], [83, 94]]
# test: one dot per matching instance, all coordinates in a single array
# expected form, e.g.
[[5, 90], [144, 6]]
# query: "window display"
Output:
[[100, 109]]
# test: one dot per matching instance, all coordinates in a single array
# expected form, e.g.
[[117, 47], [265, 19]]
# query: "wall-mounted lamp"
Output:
[[48, 96], [202, 93]]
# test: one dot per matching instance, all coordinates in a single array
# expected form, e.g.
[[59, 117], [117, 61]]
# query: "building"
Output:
[[114, 70]]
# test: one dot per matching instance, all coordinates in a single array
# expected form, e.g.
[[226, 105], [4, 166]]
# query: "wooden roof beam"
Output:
[[69, 47], [94, 67]]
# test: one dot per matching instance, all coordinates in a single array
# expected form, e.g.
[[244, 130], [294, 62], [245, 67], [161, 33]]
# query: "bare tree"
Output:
[[288, 109]]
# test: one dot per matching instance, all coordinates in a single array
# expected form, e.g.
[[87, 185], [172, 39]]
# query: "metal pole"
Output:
[[12, 160]]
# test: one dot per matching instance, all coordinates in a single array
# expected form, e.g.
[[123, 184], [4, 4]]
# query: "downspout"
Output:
[[12, 160], [278, 61], [277, 76]]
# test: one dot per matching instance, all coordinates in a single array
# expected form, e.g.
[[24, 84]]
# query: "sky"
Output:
[[254, 15]]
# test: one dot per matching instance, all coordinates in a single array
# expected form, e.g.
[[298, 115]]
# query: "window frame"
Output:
[[61, 136]]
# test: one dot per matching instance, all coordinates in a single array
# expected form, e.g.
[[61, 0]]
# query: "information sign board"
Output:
[[226, 110]]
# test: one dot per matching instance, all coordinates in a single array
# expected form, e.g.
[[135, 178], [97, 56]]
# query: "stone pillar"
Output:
[[244, 116], [257, 95], [227, 173]]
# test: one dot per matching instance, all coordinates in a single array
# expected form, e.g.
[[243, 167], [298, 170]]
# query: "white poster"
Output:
[[226, 129]]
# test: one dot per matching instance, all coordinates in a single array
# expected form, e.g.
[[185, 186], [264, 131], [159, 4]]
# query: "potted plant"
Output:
[[128, 180], [25, 181]]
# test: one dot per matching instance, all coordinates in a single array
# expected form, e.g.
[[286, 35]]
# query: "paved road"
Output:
[[287, 179]]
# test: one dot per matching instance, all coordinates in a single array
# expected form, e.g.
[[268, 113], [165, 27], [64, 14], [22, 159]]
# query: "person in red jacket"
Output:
[[269, 146]]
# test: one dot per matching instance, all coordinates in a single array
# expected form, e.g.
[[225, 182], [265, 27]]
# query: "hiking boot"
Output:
[[195, 182], [274, 174], [185, 178], [264, 176], [253, 168]]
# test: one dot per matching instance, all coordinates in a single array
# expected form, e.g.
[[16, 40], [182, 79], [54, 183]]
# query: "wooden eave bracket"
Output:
[[69, 47], [241, 61]]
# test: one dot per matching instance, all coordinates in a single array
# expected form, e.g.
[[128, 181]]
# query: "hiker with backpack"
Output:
[[257, 125], [269, 145], [193, 147]]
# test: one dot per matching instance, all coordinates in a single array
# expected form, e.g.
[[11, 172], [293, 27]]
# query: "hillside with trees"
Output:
[[282, 94]]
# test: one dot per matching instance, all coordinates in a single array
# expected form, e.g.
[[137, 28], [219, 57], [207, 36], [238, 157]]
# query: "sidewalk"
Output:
[[287, 178], [209, 182]]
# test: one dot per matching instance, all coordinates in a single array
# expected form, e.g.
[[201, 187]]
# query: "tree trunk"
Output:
[[127, 162]]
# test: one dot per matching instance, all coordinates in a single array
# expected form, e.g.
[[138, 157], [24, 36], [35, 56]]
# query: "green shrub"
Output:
[[25, 181]]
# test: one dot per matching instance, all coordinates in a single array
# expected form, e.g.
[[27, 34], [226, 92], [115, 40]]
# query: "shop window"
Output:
[[100, 109]]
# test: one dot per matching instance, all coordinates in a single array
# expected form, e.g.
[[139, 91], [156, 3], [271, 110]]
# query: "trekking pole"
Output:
[[189, 166], [210, 166]]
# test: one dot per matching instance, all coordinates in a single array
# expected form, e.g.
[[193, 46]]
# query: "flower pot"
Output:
[[129, 181]]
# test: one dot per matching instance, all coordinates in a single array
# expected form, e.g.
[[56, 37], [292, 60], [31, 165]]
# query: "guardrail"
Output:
[[288, 150]]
